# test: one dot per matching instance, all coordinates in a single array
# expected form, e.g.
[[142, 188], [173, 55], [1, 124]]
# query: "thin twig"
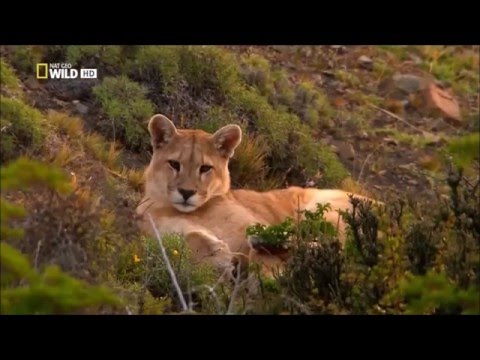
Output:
[[211, 289], [189, 291], [302, 307], [398, 118], [37, 252], [114, 132], [115, 173], [366, 160], [143, 201], [235, 291], [148, 207], [474, 187], [169, 266]]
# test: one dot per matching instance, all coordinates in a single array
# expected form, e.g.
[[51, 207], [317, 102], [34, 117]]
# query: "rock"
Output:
[[346, 151], [407, 167], [395, 106], [328, 73], [417, 60], [339, 102], [71, 89], [59, 102], [390, 141], [410, 83], [365, 62], [363, 135], [306, 51], [339, 48], [335, 149], [32, 83], [82, 109], [412, 182], [429, 162], [318, 79], [444, 102], [431, 139]]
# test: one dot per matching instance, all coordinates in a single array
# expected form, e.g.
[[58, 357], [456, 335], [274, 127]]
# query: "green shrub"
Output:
[[22, 129], [23, 289], [284, 92], [105, 57], [425, 262], [311, 105], [464, 150], [127, 110], [256, 72], [8, 79], [158, 65], [208, 70], [25, 58], [434, 293], [26, 291], [292, 147]]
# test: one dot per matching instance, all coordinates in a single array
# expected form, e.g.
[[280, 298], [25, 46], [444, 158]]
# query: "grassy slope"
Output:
[[271, 99]]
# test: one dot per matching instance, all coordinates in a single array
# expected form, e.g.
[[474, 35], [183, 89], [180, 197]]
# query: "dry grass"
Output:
[[65, 156], [107, 153], [71, 126]]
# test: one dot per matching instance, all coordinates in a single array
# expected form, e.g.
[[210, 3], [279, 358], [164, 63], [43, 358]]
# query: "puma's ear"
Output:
[[227, 139], [161, 130]]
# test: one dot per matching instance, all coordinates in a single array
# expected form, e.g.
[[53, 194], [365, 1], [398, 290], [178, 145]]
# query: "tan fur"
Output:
[[214, 225]]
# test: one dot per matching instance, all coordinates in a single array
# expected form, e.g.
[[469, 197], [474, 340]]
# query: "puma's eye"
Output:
[[174, 164], [205, 168]]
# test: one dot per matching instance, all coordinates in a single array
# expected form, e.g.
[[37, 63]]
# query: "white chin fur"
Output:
[[184, 209]]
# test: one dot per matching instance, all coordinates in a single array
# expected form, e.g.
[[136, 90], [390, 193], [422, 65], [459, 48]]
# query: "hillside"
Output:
[[399, 123]]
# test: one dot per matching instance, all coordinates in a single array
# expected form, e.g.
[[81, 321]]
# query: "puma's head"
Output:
[[189, 167]]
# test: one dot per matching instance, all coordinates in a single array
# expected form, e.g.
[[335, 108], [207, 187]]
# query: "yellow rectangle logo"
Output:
[[45, 73]]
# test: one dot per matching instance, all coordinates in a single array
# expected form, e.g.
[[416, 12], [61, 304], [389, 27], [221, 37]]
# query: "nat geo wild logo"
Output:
[[63, 71]]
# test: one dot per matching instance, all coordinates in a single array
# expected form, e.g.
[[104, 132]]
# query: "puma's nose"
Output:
[[186, 193]]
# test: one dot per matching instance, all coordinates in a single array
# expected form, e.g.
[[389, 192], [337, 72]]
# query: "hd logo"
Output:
[[63, 71]]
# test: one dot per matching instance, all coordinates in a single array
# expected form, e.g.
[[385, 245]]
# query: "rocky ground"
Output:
[[398, 114]]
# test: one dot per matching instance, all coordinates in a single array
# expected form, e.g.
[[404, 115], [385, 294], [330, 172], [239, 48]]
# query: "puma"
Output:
[[187, 191]]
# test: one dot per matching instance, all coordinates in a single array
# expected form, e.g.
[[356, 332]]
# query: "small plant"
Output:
[[273, 238], [363, 225], [279, 237], [421, 247]]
